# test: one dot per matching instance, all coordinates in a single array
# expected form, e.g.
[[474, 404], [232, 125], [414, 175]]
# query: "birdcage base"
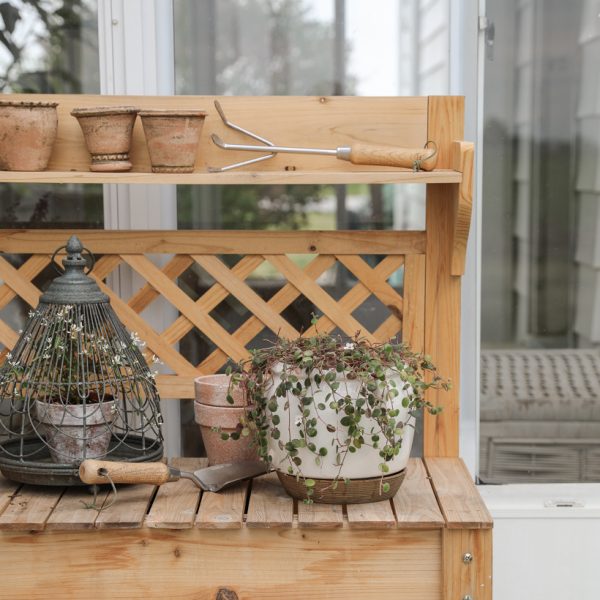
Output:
[[38, 467]]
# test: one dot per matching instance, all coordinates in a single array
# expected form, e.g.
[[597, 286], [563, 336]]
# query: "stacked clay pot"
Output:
[[212, 410]]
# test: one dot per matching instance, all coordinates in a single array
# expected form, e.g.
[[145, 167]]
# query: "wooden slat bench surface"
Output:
[[445, 497]]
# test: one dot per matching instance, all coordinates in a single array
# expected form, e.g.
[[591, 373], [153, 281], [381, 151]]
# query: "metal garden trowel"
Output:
[[209, 479]]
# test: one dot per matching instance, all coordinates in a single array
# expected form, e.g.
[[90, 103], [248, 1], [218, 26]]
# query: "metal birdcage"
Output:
[[75, 386]]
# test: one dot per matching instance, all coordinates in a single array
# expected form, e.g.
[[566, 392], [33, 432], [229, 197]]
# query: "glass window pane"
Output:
[[303, 47], [540, 363]]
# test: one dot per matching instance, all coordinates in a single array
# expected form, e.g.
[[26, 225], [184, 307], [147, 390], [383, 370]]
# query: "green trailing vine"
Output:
[[310, 372]]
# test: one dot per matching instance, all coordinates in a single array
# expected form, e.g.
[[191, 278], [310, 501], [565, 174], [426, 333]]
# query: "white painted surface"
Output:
[[543, 551], [137, 58]]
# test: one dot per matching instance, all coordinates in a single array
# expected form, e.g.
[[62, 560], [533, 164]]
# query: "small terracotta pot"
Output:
[[107, 131], [211, 409], [27, 134], [172, 137], [74, 432], [213, 390]]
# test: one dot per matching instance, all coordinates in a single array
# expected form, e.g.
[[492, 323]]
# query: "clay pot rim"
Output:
[[98, 111], [158, 112], [15, 104]]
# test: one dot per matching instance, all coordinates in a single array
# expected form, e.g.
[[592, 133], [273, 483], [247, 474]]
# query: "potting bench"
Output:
[[432, 541]]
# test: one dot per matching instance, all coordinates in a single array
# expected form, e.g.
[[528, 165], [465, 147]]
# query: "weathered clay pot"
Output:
[[107, 131], [172, 137], [211, 409], [74, 431], [27, 134]]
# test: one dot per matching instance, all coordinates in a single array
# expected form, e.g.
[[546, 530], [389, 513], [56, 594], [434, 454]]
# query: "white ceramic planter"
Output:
[[358, 465]]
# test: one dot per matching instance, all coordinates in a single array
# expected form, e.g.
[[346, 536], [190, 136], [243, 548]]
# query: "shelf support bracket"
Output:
[[462, 161]]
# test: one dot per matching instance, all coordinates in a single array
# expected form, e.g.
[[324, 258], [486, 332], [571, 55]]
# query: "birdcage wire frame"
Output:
[[75, 386]]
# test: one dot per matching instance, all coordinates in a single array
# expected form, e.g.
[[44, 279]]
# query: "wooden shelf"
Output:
[[236, 177]]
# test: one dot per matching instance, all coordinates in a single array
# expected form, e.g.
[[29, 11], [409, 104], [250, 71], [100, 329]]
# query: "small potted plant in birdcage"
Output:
[[336, 418], [75, 409]]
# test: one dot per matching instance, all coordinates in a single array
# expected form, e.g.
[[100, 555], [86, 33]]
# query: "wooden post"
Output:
[[442, 290]]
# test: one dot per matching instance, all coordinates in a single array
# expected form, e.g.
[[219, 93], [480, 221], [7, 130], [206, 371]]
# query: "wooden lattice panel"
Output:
[[206, 250]]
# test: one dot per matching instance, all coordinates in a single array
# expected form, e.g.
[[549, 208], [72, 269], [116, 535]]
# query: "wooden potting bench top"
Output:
[[436, 493]]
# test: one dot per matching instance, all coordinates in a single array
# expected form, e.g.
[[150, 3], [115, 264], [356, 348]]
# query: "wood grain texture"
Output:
[[462, 157], [30, 508], [473, 579], [413, 326], [457, 495], [371, 515], [325, 122], [356, 296], [28, 270], [100, 241], [96, 471], [269, 505], [320, 516], [176, 503], [8, 489], [442, 290], [19, 284], [223, 510], [74, 511], [299, 564], [415, 504], [289, 177], [321, 299], [280, 301], [129, 508]]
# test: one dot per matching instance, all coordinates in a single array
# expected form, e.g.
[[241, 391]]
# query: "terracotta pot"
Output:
[[74, 432], [27, 134], [172, 137], [107, 131], [212, 410], [213, 389]]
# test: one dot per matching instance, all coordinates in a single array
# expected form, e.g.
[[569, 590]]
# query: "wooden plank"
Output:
[[8, 489], [457, 495], [146, 294], [74, 511], [30, 508], [378, 286], [176, 502], [209, 327], [322, 300], [355, 297], [101, 241], [129, 508], [414, 503], [32, 267], [269, 505], [281, 300], [211, 298], [462, 158], [291, 177], [246, 295], [327, 121], [467, 579], [223, 510], [135, 322], [371, 515], [261, 564], [20, 284], [413, 326], [320, 516], [442, 290]]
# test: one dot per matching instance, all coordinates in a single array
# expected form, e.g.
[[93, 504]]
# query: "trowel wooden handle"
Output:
[[391, 156], [95, 471]]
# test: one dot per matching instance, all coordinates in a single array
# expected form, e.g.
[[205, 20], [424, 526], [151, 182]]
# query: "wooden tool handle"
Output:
[[391, 156], [95, 471]]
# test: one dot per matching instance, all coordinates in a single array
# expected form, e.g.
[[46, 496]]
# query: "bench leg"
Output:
[[467, 564]]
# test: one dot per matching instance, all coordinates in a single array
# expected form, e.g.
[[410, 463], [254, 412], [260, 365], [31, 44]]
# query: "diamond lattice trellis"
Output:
[[405, 312]]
